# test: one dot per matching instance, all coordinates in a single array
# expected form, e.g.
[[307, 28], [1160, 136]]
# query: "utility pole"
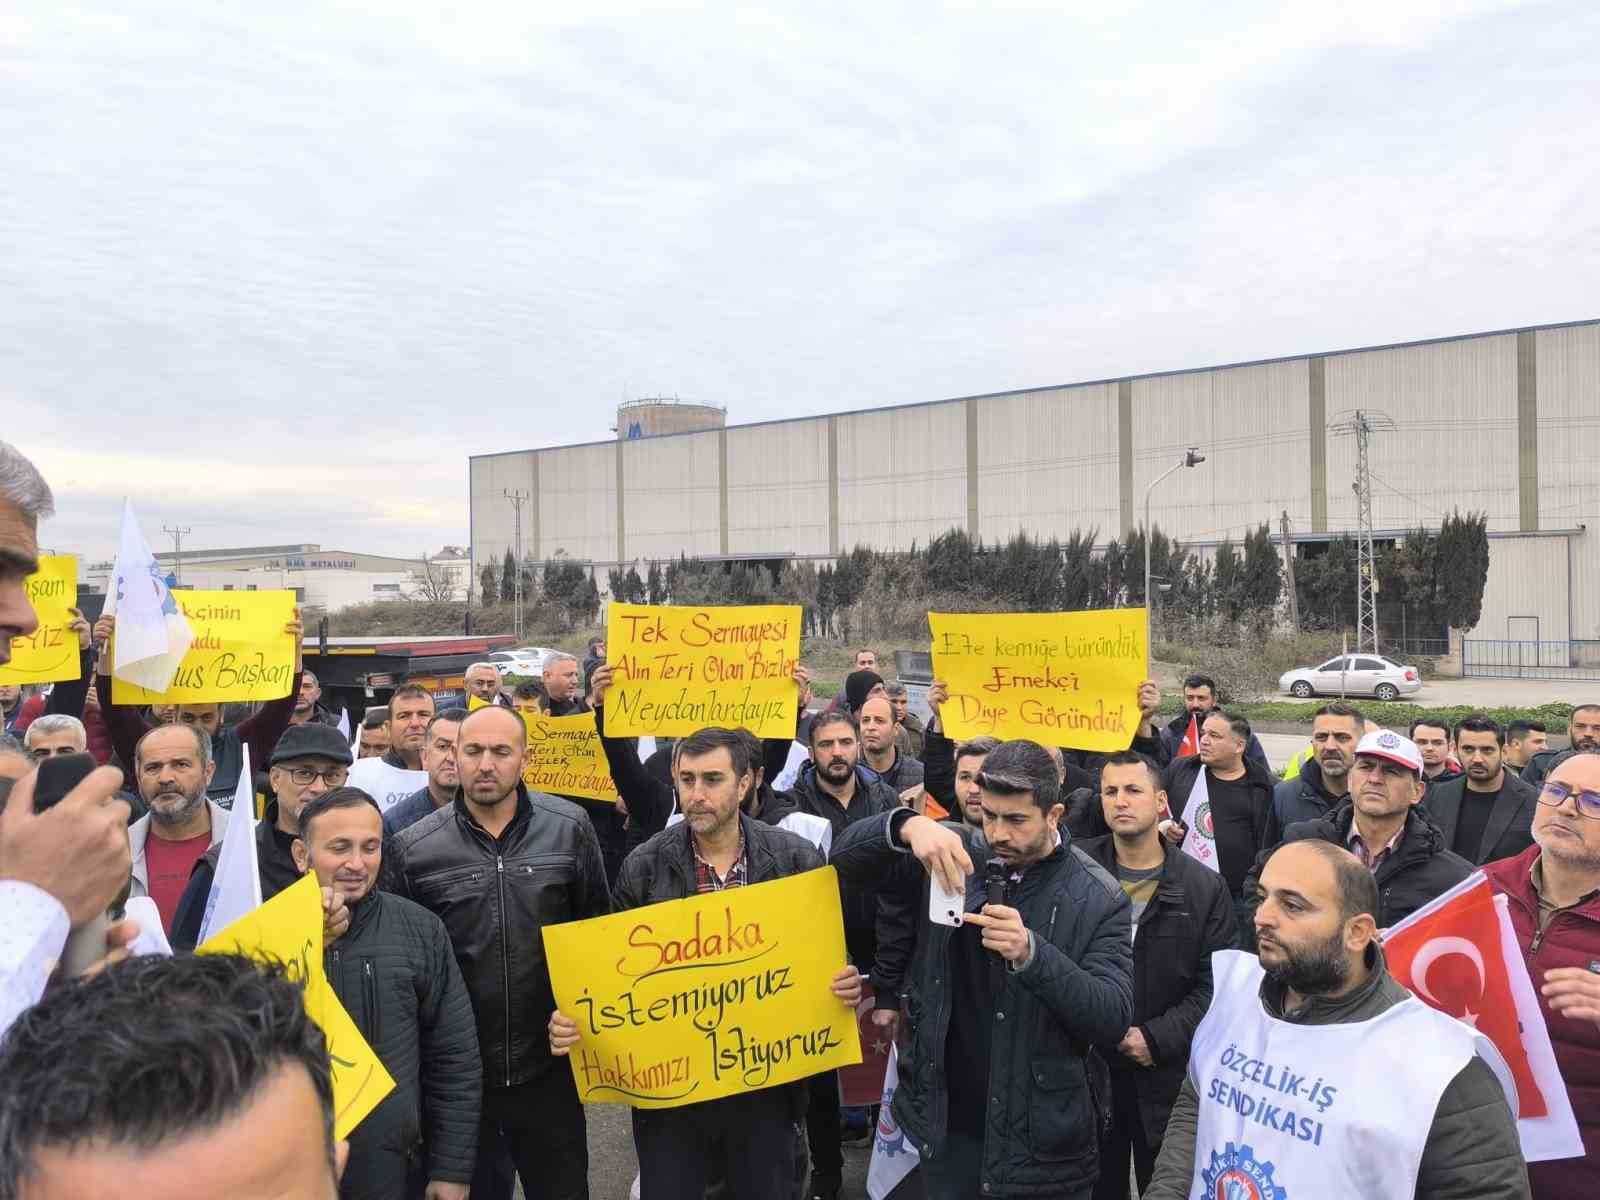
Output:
[[177, 536], [1362, 423], [518, 498], [1288, 569], [1193, 458]]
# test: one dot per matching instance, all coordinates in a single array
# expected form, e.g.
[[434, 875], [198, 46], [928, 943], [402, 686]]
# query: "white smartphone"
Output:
[[944, 908]]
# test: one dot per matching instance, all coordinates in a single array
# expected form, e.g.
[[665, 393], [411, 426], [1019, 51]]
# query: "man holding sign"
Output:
[[261, 730], [748, 1137]]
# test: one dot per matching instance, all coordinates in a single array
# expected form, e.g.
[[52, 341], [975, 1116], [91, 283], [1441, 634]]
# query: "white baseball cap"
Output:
[[1387, 744]]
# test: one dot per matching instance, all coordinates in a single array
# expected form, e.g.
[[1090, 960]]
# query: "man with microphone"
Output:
[[1008, 993]]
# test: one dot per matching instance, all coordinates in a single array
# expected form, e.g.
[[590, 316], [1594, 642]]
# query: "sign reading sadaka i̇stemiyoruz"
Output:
[[711, 996]]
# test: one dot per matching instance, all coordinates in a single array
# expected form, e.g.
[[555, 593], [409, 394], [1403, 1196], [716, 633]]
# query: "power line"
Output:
[[1361, 424]]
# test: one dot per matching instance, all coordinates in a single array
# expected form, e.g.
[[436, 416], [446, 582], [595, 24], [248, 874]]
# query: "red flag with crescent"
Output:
[[1451, 958], [1191, 739]]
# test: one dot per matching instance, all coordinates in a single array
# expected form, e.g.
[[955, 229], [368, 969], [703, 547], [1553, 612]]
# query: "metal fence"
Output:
[[1405, 648], [1487, 658]]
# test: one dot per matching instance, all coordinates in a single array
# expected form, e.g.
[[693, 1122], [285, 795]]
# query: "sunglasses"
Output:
[[1557, 794]]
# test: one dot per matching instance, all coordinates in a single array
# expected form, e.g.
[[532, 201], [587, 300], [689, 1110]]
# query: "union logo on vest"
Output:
[[1236, 1175]]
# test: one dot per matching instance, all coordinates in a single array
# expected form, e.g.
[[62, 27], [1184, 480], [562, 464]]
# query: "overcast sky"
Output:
[[277, 269]]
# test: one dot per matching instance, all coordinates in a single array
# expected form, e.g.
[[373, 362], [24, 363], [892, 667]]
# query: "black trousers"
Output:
[[540, 1123], [748, 1141], [822, 1125], [1126, 1142]]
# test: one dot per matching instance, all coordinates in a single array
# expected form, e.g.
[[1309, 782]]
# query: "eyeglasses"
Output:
[[305, 776], [1556, 794]]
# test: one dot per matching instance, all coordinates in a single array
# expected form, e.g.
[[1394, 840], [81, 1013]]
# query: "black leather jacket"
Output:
[[494, 895]]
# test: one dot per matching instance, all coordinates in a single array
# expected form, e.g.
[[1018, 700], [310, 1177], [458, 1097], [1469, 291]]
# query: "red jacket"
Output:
[[1572, 939]]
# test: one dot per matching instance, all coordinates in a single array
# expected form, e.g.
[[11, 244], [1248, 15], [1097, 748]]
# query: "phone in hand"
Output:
[[58, 775], [944, 908]]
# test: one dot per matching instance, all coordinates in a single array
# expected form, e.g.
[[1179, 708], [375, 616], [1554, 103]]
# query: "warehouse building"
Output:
[[1506, 423]]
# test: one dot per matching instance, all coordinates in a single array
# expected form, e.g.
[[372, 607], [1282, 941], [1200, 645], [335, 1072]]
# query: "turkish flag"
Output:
[[1191, 739], [1450, 955], [862, 1084]]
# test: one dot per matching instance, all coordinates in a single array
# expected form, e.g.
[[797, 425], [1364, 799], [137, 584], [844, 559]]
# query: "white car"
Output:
[[526, 661], [1353, 675]]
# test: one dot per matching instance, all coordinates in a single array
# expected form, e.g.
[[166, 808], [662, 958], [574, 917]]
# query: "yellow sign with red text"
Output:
[[241, 651], [50, 653], [1061, 679], [679, 668], [716, 995]]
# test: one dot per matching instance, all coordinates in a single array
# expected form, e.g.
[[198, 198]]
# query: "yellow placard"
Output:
[[715, 995], [288, 929], [50, 653], [565, 758], [475, 702], [1060, 679], [240, 652], [677, 668]]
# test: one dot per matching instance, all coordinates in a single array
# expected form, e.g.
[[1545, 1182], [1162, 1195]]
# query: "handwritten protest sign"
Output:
[[50, 653], [288, 929], [1063, 679], [711, 996], [678, 669], [565, 758], [240, 651]]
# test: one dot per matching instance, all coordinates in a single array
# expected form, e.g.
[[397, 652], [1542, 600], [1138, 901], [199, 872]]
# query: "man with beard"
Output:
[[1323, 781], [172, 767], [308, 761], [747, 1139], [308, 704], [1391, 1098], [1488, 812], [994, 1086], [496, 865], [880, 749], [1553, 891], [1524, 739], [1384, 826], [1182, 914], [439, 761], [909, 731], [1200, 699], [395, 974], [1583, 736]]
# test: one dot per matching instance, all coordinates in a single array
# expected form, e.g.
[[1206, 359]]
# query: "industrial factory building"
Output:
[[1505, 423]]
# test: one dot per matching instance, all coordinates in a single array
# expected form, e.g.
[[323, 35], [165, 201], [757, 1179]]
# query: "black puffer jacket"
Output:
[[1042, 1126], [494, 896], [395, 975], [1419, 870], [1305, 797]]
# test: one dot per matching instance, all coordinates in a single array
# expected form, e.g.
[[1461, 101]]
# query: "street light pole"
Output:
[[1192, 458]]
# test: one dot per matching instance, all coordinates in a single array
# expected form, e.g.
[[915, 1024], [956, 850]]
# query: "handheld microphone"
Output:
[[994, 880]]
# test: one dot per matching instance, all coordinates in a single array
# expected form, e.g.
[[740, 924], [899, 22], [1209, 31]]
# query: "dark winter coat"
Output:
[[1571, 939], [1510, 828], [1190, 918], [1305, 797], [395, 975], [1043, 1120], [872, 798], [1420, 869], [494, 896], [1179, 780]]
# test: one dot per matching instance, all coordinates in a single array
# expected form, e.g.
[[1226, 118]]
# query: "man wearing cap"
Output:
[[308, 760], [1383, 827]]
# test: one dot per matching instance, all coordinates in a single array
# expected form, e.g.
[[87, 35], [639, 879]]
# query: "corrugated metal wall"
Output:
[[1050, 461]]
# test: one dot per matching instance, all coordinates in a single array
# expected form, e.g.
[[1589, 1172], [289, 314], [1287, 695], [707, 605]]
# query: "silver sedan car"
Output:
[[1353, 675]]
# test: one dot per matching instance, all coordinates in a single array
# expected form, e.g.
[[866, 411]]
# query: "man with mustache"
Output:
[[1388, 1099], [1323, 781], [172, 767], [396, 976], [1583, 736]]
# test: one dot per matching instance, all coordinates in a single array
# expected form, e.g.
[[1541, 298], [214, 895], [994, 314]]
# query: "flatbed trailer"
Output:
[[357, 673]]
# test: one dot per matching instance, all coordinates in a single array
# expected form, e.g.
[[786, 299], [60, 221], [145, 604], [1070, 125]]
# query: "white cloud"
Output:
[[277, 270]]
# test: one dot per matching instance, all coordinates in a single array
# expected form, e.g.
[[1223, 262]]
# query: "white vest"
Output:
[[385, 784], [1315, 1112]]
